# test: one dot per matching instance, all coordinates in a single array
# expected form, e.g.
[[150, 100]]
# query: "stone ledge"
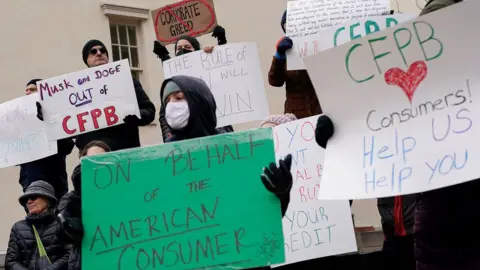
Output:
[[2, 259]]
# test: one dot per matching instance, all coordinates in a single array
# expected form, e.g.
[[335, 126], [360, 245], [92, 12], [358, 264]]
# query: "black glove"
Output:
[[219, 33], [39, 111], [278, 180], [72, 227], [160, 50], [283, 45], [131, 120], [323, 131]]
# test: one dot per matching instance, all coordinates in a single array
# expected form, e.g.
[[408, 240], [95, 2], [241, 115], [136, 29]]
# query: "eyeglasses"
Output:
[[95, 51]]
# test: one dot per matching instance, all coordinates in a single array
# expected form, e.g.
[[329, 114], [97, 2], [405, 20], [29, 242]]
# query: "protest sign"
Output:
[[309, 17], [234, 76], [335, 36], [311, 228], [402, 102], [23, 137], [87, 100], [195, 204], [188, 17]]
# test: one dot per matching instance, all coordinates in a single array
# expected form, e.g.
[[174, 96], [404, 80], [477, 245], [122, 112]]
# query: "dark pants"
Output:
[[399, 254]]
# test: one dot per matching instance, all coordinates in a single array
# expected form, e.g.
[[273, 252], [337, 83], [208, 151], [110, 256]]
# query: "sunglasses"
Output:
[[95, 51], [32, 198]]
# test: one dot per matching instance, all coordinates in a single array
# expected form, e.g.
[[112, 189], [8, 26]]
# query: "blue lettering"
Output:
[[459, 116], [395, 182], [446, 164], [292, 134]]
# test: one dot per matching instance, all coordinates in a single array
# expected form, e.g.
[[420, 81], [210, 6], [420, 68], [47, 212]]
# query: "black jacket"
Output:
[[50, 169], [397, 215], [22, 252], [125, 135]]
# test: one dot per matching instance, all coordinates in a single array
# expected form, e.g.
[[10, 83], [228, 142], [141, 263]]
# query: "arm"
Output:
[[276, 75], [65, 146], [163, 123], [147, 109], [12, 256], [62, 262], [284, 201]]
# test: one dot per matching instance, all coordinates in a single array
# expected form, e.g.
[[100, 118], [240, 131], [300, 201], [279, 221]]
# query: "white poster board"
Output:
[[312, 228], [234, 76], [335, 36], [88, 100], [309, 17], [403, 102], [23, 137]]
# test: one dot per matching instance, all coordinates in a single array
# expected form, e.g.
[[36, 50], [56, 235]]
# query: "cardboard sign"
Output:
[[189, 17], [309, 17], [403, 102], [23, 137], [311, 228], [195, 204], [335, 36], [87, 100], [234, 76]]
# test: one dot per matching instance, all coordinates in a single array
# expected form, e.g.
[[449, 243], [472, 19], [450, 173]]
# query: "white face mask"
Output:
[[177, 114]]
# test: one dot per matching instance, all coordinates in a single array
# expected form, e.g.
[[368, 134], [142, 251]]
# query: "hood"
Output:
[[283, 21], [202, 106], [192, 40]]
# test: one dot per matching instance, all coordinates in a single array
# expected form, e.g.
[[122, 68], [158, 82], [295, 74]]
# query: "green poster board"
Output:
[[187, 205]]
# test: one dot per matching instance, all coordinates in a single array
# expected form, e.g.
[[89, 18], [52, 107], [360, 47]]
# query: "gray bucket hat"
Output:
[[38, 188]]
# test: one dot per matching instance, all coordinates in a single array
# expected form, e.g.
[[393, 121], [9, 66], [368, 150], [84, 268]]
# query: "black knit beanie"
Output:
[[88, 46], [284, 21], [33, 81], [76, 179], [192, 40]]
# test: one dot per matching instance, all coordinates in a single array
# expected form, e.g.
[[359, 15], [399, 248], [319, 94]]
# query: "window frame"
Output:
[[115, 23]]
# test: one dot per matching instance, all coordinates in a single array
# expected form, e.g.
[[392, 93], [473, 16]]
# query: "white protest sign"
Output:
[[311, 228], [88, 100], [403, 105], [23, 137], [309, 17], [332, 37], [234, 76]]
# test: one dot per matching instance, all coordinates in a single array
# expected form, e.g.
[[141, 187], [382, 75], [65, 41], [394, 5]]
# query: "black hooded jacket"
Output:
[[123, 136]]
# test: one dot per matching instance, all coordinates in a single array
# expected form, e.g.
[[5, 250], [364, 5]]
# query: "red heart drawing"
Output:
[[408, 81]]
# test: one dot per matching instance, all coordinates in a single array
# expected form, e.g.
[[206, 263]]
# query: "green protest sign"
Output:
[[188, 205]]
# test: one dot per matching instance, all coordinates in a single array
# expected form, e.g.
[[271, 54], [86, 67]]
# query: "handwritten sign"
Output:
[[311, 228], [87, 100], [188, 17], [309, 17], [234, 76], [335, 36], [23, 137], [403, 104], [195, 204]]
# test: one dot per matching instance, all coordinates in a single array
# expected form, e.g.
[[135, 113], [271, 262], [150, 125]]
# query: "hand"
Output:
[[159, 50], [324, 130], [219, 33], [73, 228], [283, 45], [278, 180], [39, 111], [208, 49], [131, 120]]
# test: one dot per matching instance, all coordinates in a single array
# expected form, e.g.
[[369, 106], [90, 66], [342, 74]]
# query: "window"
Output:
[[125, 46]]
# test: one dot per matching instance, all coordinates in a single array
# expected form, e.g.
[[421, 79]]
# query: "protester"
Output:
[[25, 251], [190, 112], [301, 99], [121, 136], [51, 169], [396, 213], [184, 45], [70, 214]]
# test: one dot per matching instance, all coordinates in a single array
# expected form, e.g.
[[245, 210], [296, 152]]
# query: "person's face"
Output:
[[37, 205], [176, 97], [267, 125], [95, 150], [31, 88], [183, 46], [97, 56]]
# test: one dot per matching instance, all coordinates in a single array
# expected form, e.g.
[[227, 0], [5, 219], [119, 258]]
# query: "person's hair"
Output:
[[92, 144]]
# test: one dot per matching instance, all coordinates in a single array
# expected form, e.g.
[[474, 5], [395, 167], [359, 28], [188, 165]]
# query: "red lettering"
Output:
[[319, 170], [299, 175], [44, 87], [301, 189], [65, 126], [312, 129], [81, 121], [311, 195], [276, 142], [95, 114], [110, 115]]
